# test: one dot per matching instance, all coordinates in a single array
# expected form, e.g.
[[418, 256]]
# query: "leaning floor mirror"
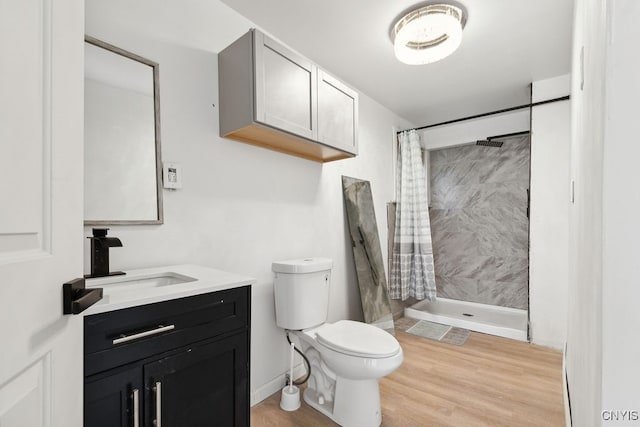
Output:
[[122, 170], [367, 253]]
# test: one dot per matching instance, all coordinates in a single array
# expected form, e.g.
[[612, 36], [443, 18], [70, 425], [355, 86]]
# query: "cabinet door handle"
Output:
[[158, 330], [136, 407], [158, 391]]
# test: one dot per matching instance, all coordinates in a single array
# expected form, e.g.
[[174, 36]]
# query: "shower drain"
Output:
[[467, 314]]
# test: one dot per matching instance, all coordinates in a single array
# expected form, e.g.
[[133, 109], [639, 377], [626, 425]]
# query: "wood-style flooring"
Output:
[[488, 381]]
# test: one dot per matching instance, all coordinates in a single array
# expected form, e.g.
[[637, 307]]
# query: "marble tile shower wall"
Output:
[[479, 222]]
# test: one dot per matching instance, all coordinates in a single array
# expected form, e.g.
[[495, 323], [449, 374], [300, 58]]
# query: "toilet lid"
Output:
[[357, 339]]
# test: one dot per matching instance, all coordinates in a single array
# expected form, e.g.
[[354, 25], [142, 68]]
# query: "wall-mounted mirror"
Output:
[[122, 170]]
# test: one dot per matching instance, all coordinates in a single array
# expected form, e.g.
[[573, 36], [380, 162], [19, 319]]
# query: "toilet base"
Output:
[[356, 403]]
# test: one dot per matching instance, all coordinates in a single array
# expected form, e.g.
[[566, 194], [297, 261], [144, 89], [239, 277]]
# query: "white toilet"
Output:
[[346, 357]]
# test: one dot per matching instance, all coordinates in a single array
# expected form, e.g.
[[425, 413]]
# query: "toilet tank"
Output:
[[301, 290]]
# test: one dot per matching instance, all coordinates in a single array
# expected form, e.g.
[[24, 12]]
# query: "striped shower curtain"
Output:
[[412, 273]]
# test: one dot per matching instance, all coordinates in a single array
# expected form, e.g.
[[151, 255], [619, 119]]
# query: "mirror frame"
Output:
[[156, 109]]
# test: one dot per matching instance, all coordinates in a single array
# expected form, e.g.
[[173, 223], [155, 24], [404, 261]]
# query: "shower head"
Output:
[[489, 143]]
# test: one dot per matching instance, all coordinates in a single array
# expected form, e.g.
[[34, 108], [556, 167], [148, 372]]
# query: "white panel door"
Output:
[[41, 232]]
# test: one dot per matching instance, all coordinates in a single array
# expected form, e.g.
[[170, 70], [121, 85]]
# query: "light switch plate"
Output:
[[172, 175]]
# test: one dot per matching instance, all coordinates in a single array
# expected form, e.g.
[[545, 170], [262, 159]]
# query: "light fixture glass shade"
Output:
[[428, 34]]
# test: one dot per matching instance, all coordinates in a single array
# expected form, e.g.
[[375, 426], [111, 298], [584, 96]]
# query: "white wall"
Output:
[[584, 329], [549, 175], [602, 356], [620, 212], [549, 219], [471, 130], [242, 207]]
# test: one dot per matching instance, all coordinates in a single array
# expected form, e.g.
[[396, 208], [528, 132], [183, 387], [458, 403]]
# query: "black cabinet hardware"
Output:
[[76, 298]]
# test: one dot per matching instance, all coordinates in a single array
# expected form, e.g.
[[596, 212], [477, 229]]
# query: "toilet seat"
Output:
[[357, 339]]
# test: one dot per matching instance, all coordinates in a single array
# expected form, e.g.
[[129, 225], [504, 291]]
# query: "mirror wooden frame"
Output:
[[156, 107]]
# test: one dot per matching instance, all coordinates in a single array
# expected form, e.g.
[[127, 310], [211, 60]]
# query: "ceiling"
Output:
[[506, 45]]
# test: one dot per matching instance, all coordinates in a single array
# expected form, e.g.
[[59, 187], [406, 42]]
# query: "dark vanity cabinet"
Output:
[[183, 362], [109, 400]]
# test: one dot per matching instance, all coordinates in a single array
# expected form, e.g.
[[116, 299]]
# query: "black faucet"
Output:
[[100, 245]]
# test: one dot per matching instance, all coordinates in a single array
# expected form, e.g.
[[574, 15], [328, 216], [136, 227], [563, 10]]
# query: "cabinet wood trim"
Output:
[[265, 137]]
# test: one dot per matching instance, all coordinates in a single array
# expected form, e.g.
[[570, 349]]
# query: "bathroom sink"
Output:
[[138, 282], [157, 284]]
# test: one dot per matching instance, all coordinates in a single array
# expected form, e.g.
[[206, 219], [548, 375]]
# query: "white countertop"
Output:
[[118, 294]]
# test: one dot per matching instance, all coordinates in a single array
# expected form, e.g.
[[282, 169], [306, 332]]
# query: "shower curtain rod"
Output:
[[505, 110]]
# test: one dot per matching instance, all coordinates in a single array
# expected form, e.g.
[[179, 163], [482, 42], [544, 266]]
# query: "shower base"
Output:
[[489, 319]]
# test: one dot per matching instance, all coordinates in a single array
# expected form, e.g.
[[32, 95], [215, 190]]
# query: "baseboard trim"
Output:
[[555, 345], [565, 389], [275, 385]]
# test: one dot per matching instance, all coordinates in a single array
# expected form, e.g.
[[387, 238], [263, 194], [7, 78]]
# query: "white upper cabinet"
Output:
[[285, 91], [337, 114], [274, 98]]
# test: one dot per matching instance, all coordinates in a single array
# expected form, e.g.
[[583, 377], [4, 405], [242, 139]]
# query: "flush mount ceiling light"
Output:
[[428, 34]]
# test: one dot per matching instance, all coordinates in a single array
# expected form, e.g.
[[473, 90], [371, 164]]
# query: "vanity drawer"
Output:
[[124, 336]]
